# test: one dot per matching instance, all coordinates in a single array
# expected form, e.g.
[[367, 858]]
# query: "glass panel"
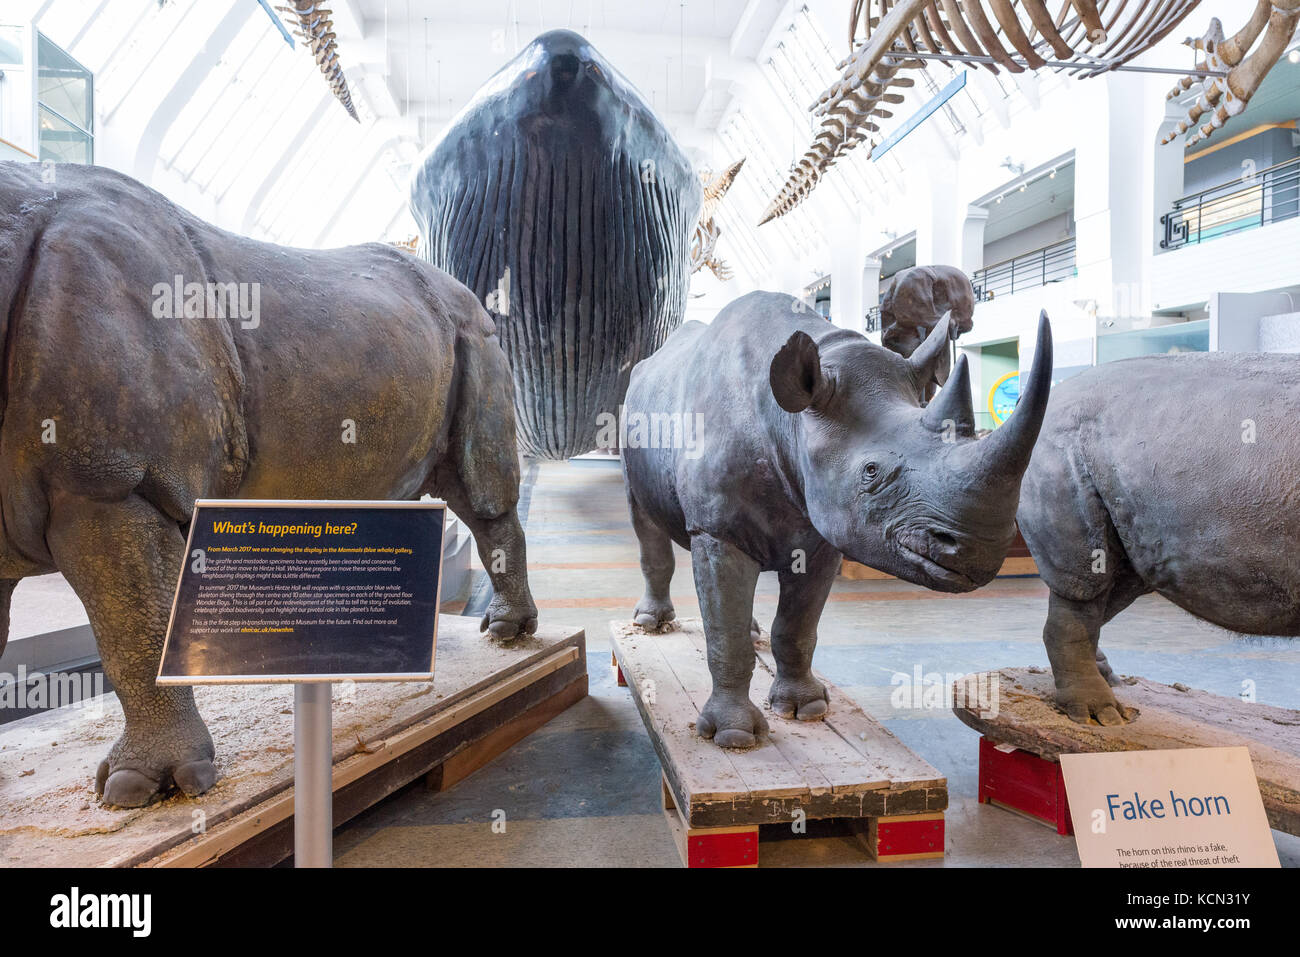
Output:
[[61, 141], [11, 46], [1180, 337], [63, 84]]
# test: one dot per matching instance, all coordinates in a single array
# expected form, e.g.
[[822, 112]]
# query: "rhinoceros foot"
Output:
[[1083, 699], [136, 776], [505, 621], [804, 698], [653, 613], [731, 719]]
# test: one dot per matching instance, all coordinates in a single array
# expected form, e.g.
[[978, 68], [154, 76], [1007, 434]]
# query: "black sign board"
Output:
[[283, 591]]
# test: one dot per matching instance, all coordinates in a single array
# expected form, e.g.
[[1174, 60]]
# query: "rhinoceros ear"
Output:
[[796, 374]]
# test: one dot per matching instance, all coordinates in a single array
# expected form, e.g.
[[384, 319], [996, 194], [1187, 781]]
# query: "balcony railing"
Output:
[[872, 323], [1049, 264], [1268, 196]]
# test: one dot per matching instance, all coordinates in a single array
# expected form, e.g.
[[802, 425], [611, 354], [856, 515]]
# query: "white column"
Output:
[[972, 239]]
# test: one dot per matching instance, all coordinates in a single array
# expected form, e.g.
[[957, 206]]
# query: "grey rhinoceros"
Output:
[[115, 419], [813, 443], [1172, 474]]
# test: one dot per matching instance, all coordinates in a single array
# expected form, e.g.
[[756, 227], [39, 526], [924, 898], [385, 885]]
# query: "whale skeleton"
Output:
[[316, 29], [1088, 37]]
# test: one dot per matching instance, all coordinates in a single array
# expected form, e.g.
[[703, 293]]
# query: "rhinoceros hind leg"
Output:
[[795, 692], [1071, 636], [123, 560], [499, 539], [657, 565], [724, 581]]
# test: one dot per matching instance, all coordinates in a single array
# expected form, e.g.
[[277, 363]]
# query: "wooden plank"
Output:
[[1170, 716], [695, 774], [211, 845], [840, 767], [858, 754], [47, 762], [769, 770], [462, 750]]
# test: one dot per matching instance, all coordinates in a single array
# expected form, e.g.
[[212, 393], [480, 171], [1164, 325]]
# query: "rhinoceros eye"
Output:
[[871, 471]]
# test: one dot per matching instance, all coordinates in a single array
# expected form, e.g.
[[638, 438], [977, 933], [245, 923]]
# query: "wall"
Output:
[[1230, 162], [1034, 237], [1280, 333]]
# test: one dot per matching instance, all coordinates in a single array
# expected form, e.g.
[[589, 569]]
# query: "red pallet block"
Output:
[[1022, 781]]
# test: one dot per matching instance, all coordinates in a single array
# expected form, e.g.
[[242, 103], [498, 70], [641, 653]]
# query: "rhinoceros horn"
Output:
[[1006, 451], [952, 404], [927, 360]]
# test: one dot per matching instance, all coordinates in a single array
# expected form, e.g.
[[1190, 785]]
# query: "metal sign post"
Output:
[[313, 775]]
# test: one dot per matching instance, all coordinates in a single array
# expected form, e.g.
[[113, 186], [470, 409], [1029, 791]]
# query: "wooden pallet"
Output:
[[845, 767], [486, 696], [1170, 716]]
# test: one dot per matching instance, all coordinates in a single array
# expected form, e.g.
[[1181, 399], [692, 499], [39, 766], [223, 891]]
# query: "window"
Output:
[[64, 104], [11, 45]]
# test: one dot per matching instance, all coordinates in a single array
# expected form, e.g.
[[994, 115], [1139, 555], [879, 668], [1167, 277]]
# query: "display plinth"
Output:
[[1169, 716], [486, 696], [847, 766]]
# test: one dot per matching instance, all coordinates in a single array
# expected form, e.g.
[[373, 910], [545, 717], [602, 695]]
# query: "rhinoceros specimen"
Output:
[[914, 302], [115, 420], [1172, 474], [813, 443], [562, 201]]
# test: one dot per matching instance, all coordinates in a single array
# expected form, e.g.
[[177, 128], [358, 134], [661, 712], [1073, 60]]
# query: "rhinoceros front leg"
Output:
[[123, 560], [1071, 634], [724, 582], [795, 692], [657, 565]]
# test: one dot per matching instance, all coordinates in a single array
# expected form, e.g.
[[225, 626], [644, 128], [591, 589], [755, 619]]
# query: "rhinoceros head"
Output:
[[893, 483]]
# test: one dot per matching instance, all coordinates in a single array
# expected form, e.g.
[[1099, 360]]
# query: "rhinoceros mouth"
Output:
[[921, 550]]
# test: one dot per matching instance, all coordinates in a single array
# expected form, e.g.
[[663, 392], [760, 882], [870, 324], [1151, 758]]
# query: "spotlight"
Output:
[[1294, 56], [1023, 187], [999, 199], [1052, 175]]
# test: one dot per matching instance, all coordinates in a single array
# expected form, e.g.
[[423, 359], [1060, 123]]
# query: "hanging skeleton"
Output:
[[316, 29], [705, 239], [1086, 36]]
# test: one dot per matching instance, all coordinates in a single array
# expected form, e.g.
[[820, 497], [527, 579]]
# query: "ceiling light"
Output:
[[1052, 175], [999, 199], [1294, 56], [1023, 187]]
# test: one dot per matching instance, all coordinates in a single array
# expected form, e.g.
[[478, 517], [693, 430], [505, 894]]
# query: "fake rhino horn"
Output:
[[952, 408], [1006, 451]]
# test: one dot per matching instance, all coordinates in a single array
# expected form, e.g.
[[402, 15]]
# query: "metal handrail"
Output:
[[1027, 271], [1270, 195]]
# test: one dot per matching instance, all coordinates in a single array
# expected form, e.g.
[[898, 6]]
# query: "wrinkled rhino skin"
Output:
[[150, 414], [813, 442], [561, 200], [1144, 480]]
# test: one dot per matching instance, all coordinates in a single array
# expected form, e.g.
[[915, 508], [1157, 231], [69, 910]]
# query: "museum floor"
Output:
[[584, 790]]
